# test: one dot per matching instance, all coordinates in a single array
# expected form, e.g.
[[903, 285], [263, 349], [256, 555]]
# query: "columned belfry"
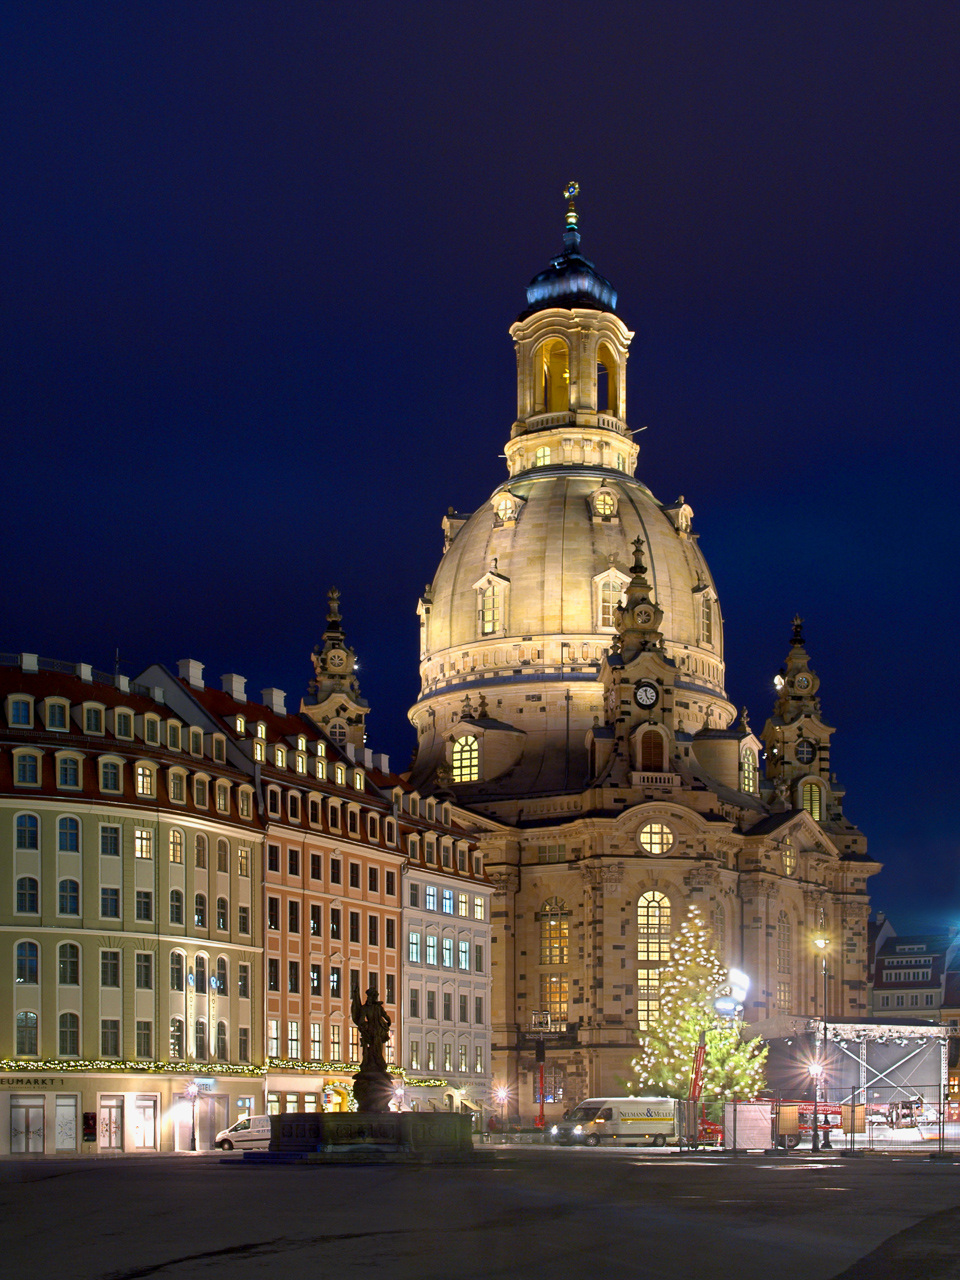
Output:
[[337, 707], [573, 706]]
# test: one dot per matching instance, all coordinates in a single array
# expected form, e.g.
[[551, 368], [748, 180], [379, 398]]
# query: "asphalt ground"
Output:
[[514, 1213]]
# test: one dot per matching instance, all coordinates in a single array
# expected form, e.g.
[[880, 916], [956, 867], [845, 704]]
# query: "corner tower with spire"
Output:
[[337, 706]]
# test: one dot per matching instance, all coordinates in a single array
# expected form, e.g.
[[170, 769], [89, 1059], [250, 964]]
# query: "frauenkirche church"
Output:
[[573, 704]]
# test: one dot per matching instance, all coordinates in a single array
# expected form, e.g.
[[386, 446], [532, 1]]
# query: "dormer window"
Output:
[[358, 780], [302, 742], [321, 748], [340, 775], [706, 619], [93, 719], [604, 504], [123, 724], [258, 751], [57, 714], [321, 771], [748, 770], [21, 712], [151, 730], [240, 726], [280, 757], [196, 742], [261, 730], [223, 798], [144, 780], [219, 748], [300, 763], [173, 735]]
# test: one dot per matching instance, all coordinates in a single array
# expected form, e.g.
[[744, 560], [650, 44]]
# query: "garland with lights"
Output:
[[690, 982], [183, 1067]]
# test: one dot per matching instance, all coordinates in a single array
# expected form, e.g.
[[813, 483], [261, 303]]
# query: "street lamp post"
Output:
[[192, 1091], [502, 1093], [821, 942]]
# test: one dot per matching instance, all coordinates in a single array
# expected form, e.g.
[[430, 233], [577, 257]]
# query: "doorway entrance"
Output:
[[26, 1124], [111, 1123], [145, 1123]]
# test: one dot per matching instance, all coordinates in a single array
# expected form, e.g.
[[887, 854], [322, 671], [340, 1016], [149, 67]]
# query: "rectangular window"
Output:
[[94, 720], [293, 916], [124, 724], [478, 1060], [110, 1038], [27, 769], [110, 904], [478, 957], [144, 777], [478, 908], [243, 863], [142, 844], [334, 922], [354, 926], [448, 1057], [273, 1047], [144, 1039], [243, 1044], [430, 898], [144, 904], [430, 850], [354, 982], [431, 1006], [431, 948], [20, 712], [243, 919], [316, 866], [293, 862], [414, 895], [414, 1003], [391, 938], [463, 954], [448, 953], [144, 971], [390, 886], [273, 974], [478, 1009], [335, 1045], [293, 1039], [56, 716], [462, 1058], [462, 904], [109, 968], [315, 918], [273, 857], [463, 1008], [273, 913], [223, 799], [447, 1007], [335, 871], [414, 1055], [69, 772], [243, 981], [553, 996], [335, 987], [316, 978], [110, 777], [448, 902], [391, 993], [373, 879], [373, 931], [354, 875]]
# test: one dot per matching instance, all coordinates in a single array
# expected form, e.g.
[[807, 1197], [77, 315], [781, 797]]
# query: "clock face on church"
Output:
[[802, 682], [646, 694], [336, 660]]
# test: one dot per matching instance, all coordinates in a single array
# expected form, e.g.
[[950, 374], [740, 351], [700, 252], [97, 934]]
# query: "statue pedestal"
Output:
[[373, 1091], [358, 1136]]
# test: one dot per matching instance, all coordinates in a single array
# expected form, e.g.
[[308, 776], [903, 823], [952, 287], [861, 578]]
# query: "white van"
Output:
[[249, 1134], [620, 1122]]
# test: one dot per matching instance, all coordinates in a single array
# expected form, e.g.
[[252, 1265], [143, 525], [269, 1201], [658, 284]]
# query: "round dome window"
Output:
[[805, 751], [604, 504], [655, 837]]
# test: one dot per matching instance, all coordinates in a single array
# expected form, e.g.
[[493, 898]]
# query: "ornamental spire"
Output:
[[571, 233]]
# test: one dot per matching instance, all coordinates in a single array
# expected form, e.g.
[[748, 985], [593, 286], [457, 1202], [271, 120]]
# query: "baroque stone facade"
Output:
[[573, 704]]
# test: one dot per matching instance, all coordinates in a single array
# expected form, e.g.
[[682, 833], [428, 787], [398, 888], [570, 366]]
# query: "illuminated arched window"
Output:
[[610, 593], [337, 733], [542, 457], [784, 943], [466, 759], [554, 932], [552, 388], [653, 950], [811, 800], [490, 605], [748, 770]]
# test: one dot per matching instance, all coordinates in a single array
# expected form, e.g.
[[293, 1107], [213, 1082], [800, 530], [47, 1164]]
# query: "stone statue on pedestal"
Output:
[[372, 1085]]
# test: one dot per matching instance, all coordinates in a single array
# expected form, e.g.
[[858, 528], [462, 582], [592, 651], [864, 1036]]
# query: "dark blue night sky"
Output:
[[259, 265]]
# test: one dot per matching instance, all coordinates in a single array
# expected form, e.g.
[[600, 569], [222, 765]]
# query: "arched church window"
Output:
[[618, 462], [489, 611], [748, 770], [337, 732], [784, 943], [465, 759], [553, 384], [706, 619], [789, 856], [542, 457], [811, 800], [606, 380], [651, 753], [554, 932], [655, 837], [653, 949]]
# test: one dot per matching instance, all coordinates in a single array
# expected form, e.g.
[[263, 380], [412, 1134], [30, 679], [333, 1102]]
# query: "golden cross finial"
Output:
[[571, 191]]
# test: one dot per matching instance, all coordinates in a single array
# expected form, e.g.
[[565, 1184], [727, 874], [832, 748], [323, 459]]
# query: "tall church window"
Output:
[[719, 931], [653, 949], [553, 996], [552, 390], [554, 932], [811, 800], [706, 619], [651, 752], [610, 593], [748, 770], [789, 856], [542, 457], [491, 604], [784, 943], [606, 380], [466, 759]]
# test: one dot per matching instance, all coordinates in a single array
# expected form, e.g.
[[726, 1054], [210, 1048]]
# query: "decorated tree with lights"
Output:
[[691, 980]]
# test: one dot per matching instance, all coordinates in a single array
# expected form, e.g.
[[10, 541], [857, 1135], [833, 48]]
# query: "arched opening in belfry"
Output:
[[552, 377], [607, 380], [651, 752]]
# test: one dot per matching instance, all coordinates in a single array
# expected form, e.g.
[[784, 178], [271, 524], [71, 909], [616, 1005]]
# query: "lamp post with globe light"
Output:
[[818, 1070], [501, 1093]]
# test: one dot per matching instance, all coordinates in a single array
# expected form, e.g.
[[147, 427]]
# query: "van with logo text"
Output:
[[620, 1122], [252, 1133]]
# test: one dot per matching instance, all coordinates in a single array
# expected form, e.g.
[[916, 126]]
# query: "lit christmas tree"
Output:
[[690, 983]]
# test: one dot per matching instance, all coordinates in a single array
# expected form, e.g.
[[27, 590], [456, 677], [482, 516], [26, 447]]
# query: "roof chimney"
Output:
[[275, 699], [192, 671], [235, 686]]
